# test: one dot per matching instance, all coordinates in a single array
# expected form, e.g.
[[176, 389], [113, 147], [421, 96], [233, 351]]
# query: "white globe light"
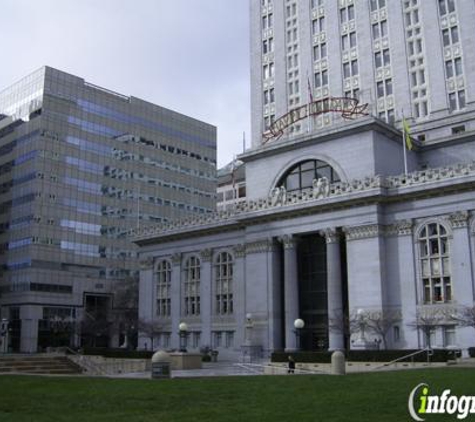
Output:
[[183, 326], [299, 323], [249, 316], [360, 312]]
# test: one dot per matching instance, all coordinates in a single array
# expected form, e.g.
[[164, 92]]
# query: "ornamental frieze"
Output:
[[363, 232]]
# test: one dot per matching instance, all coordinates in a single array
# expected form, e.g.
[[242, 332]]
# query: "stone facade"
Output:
[[373, 232]]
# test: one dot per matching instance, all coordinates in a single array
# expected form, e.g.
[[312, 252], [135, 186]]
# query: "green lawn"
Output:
[[357, 397]]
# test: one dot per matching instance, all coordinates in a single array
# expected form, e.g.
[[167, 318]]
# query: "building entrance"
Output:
[[313, 301]]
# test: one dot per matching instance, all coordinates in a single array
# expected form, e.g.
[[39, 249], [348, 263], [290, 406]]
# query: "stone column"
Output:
[[147, 298], [175, 311], [239, 291], [206, 305], [30, 315], [462, 271], [291, 291], [334, 288]]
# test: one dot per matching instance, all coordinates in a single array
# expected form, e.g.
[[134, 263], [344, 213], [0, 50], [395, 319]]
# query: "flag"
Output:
[[406, 130]]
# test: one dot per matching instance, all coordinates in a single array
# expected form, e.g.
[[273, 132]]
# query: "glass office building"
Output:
[[80, 166]]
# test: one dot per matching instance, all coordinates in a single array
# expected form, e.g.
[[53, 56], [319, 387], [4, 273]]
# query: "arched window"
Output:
[[301, 175], [435, 264], [192, 286], [163, 277], [224, 284]]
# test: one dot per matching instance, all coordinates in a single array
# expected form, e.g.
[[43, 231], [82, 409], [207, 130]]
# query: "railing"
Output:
[[86, 362], [411, 355]]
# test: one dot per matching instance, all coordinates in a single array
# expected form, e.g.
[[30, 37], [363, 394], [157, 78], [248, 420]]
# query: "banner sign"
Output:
[[348, 107]]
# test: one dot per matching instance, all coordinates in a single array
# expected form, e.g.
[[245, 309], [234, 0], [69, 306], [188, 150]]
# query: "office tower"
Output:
[[404, 58], [80, 167]]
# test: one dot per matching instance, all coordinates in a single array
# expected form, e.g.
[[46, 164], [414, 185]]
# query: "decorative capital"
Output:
[[363, 232], [331, 235], [239, 250], [146, 263], [459, 219], [176, 258], [206, 254], [259, 246], [400, 228], [288, 241]]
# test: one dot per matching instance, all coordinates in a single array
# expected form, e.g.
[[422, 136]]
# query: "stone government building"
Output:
[[379, 241], [333, 224]]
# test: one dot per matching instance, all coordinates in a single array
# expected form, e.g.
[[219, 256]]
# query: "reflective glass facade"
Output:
[[79, 167]]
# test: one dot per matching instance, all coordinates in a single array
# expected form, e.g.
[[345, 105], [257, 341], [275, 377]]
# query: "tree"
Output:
[[465, 316], [345, 324], [427, 321], [380, 322], [149, 329]]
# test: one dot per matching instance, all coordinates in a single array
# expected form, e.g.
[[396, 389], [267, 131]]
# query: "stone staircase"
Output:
[[38, 364]]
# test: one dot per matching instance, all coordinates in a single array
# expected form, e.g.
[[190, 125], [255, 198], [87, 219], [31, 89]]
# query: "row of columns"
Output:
[[291, 290]]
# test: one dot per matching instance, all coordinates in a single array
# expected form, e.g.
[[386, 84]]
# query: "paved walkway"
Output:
[[217, 369]]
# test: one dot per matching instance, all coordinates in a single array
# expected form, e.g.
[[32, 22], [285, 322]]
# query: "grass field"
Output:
[[357, 397]]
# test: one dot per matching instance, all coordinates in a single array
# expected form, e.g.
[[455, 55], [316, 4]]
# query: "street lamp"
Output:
[[249, 326], [298, 324], [183, 331]]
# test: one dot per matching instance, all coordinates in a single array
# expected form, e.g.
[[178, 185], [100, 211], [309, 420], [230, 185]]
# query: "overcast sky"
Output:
[[191, 56]]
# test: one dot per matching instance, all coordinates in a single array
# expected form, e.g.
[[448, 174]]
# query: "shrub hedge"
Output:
[[471, 352], [439, 355], [117, 353]]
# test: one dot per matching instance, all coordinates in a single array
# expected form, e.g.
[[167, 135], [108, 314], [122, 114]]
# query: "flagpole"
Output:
[[404, 143]]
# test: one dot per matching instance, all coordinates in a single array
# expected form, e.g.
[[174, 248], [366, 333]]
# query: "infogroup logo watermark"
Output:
[[421, 403]]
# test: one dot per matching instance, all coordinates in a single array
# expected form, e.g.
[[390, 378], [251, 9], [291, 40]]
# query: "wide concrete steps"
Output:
[[57, 365]]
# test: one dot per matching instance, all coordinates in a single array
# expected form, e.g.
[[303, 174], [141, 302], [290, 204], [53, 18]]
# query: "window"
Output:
[[319, 51], [348, 41], [435, 264], [268, 71], [316, 3], [448, 333], [450, 36], [268, 46], [446, 6], [382, 58], [269, 96], [377, 4], [321, 79], [384, 88], [347, 14], [379, 29], [318, 25], [192, 286], [224, 284], [163, 283], [457, 100], [350, 69], [301, 175]]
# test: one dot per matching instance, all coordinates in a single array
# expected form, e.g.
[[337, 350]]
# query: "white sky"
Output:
[[191, 56]]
